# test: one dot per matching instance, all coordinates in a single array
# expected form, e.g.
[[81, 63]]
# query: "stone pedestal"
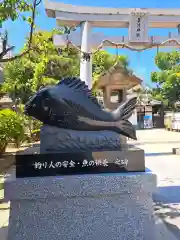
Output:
[[82, 207]]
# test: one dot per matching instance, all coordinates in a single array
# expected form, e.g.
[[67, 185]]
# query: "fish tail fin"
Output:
[[126, 128], [126, 109]]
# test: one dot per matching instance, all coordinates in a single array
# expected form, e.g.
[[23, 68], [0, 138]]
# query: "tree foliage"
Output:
[[11, 128], [103, 61], [47, 66], [168, 78], [12, 9], [167, 60], [26, 75]]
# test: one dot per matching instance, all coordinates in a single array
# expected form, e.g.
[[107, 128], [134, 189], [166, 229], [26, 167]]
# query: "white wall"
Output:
[[133, 118]]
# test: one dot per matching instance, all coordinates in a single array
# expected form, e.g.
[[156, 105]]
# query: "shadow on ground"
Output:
[[167, 213], [167, 207], [154, 154], [167, 195], [154, 142]]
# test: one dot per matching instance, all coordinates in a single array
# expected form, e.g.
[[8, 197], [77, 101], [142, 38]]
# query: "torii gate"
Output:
[[137, 20]]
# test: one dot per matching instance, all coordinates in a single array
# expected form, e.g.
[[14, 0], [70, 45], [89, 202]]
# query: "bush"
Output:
[[11, 128], [36, 135], [33, 129]]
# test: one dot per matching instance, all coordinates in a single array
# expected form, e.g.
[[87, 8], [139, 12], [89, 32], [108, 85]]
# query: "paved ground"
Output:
[[158, 146]]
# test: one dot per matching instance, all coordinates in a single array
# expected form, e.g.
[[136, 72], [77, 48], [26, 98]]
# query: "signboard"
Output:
[[148, 123], [36, 165], [138, 28]]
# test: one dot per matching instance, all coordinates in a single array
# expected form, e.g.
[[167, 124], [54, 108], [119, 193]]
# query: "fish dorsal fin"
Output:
[[80, 86]]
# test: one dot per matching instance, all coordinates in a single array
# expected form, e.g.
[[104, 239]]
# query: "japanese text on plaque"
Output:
[[84, 163]]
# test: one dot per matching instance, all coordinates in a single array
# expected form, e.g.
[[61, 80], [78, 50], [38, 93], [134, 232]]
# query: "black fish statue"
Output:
[[71, 105]]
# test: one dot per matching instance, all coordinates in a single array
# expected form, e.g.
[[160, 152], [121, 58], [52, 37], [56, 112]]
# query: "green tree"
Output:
[[11, 128], [168, 78], [12, 10], [24, 76], [103, 61], [167, 60]]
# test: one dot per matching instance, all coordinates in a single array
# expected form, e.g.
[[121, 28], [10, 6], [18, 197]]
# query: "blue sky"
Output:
[[141, 63]]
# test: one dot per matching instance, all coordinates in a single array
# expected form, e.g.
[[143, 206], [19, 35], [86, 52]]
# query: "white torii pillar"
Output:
[[86, 65]]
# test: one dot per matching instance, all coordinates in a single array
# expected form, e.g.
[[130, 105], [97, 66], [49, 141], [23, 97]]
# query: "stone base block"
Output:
[[82, 207]]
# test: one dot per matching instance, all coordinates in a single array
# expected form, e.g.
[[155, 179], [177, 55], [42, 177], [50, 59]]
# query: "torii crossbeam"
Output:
[[137, 20]]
